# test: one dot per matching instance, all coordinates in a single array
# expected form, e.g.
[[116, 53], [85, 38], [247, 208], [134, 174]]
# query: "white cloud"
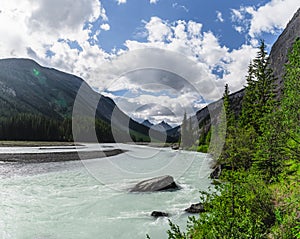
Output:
[[156, 109], [237, 14], [239, 29], [105, 27], [153, 1], [181, 48], [236, 69], [241, 18], [121, 1], [274, 15], [219, 16], [157, 30], [67, 15], [194, 28], [39, 24], [269, 18]]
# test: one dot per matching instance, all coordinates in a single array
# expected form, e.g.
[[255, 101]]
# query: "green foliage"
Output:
[[239, 148], [203, 142], [287, 202], [280, 138], [138, 137], [269, 155], [227, 108], [174, 232], [202, 148], [239, 209], [260, 193], [291, 103]]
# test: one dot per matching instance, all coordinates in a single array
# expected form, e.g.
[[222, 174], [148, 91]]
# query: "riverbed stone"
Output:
[[162, 183], [157, 214], [195, 208]]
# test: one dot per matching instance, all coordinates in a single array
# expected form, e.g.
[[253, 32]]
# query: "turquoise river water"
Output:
[[90, 199]]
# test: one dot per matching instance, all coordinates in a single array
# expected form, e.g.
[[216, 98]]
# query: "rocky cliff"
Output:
[[279, 51]]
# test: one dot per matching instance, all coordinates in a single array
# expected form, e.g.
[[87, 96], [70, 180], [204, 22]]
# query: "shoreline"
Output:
[[57, 156], [16, 143]]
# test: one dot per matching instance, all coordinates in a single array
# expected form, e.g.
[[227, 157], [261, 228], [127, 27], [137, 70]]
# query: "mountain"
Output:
[[27, 88], [164, 125], [173, 134], [147, 123], [278, 57], [280, 49]]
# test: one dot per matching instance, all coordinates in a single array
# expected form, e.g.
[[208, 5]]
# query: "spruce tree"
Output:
[[280, 138], [259, 91], [184, 135]]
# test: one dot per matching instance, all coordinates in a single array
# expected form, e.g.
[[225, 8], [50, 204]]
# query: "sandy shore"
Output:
[[57, 156]]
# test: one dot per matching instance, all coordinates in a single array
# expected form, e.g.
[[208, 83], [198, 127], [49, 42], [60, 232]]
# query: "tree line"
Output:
[[34, 127]]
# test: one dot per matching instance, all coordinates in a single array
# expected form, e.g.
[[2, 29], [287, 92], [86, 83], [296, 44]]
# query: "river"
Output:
[[89, 199]]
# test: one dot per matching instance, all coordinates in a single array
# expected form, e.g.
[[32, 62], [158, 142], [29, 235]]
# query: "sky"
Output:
[[155, 58]]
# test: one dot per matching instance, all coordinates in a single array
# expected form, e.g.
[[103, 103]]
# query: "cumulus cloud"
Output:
[[157, 29], [153, 1], [40, 24], [269, 18], [272, 16], [67, 15], [158, 106], [173, 72]]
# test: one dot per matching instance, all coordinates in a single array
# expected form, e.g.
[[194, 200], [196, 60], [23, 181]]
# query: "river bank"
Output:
[[8, 143], [57, 156]]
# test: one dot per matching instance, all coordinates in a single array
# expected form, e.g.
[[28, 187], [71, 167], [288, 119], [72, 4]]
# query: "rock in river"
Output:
[[195, 208], [159, 214], [156, 184]]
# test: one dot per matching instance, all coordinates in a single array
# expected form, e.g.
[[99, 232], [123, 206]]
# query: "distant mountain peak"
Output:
[[147, 123], [165, 125]]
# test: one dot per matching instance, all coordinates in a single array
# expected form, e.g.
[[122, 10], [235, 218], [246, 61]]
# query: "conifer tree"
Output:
[[227, 107], [259, 91], [191, 138], [184, 131], [280, 139]]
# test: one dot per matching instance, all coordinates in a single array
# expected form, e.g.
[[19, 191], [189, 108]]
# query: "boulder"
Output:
[[195, 208], [159, 214], [156, 184]]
